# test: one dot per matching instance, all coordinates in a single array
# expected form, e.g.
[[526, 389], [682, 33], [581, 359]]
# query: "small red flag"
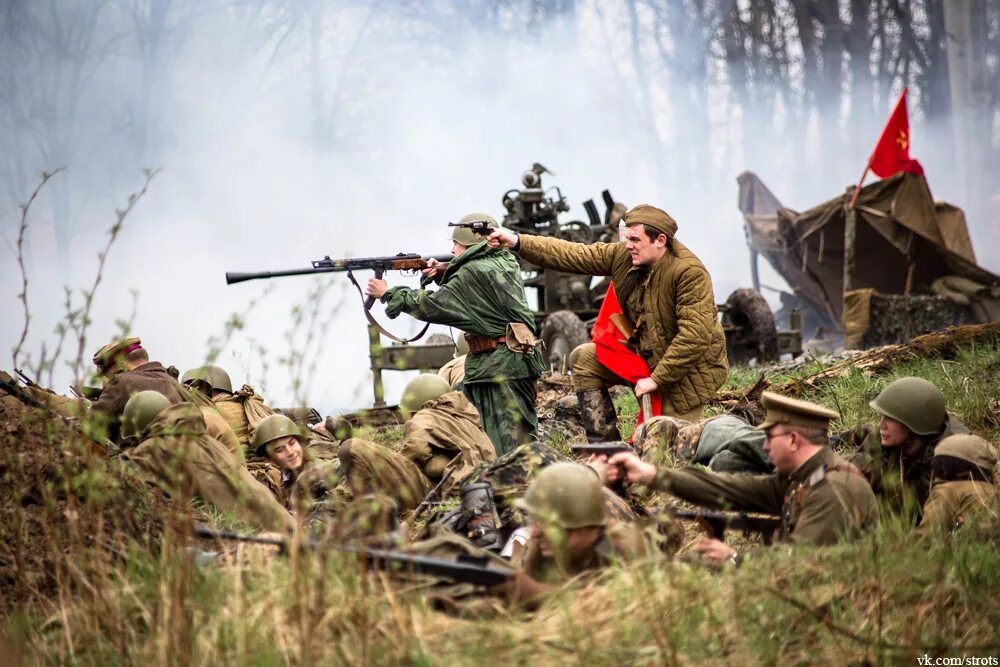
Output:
[[892, 152], [612, 352]]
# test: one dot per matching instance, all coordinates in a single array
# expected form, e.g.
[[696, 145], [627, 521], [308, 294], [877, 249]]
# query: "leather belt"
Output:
[[479, 345]]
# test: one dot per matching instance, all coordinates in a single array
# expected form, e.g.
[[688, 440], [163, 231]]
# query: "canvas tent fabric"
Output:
[[898, 224]]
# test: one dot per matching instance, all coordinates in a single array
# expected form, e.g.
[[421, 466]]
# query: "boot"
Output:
[[482, 527], [597, 413]]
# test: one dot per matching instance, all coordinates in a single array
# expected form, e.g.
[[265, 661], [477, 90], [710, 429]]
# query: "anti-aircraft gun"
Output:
[[566, 303]]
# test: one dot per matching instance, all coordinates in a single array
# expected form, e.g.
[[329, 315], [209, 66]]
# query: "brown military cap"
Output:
[[658, 219], [793, 412], [105, 357]]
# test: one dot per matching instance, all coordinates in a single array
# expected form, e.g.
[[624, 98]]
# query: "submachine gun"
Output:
[[396, 357], [463, 568]]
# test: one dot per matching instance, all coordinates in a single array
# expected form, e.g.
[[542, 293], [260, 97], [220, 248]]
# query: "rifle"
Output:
[[431, 498], [464, 568], [716, 523], [25, 379], [11, 388], [599, 448], [401, 262]]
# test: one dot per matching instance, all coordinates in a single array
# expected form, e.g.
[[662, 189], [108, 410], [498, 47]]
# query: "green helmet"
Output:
[[566, 494], [977, 451], [213, 376], [465, 236], [425, 387], [461, 346], [140, 410], [915, 403], [271, 428]]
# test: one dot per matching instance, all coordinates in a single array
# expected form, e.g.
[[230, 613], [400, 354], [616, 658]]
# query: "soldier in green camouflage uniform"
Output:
[[724, 443], [897, 456], [481, 293]]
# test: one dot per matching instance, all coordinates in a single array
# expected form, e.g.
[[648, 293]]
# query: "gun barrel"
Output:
[[232, 277]]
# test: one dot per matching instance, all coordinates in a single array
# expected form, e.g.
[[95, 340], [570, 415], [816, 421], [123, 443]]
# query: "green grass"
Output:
[[886, 599]]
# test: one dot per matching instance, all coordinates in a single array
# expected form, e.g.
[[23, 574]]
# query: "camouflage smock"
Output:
[[480, 293]]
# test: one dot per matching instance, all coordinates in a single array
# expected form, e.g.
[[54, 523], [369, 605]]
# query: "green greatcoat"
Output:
[[819, 502], [480, 293]]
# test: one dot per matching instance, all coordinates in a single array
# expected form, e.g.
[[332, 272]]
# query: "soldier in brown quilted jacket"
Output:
[[665, 293]]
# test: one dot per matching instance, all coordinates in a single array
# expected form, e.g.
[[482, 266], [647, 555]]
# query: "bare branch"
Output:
[[21, 232]]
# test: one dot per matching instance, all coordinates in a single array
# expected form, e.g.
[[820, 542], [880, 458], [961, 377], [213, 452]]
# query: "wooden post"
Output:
[[374, 350], [850, 238]]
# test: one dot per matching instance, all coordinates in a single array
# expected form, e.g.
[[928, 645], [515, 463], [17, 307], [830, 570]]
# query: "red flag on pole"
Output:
[[614, 354], [892, 152]]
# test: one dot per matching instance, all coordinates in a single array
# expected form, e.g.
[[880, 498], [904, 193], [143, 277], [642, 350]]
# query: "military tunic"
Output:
[[482, 292], [177, 454], [902, 481], [820, 501], [447, 429], [956, 503], [149, 376]]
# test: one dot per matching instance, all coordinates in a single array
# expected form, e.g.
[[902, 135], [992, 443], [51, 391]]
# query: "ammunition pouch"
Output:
[[520, 338]]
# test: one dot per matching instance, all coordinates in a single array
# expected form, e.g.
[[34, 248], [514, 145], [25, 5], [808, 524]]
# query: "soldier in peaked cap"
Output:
[[666, 297], [125, 366], [818, 495]]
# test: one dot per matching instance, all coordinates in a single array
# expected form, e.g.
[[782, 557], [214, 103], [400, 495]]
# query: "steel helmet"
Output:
[[273, 427], [915, 403], [425, 387], [465, 236], [140, 410], [566, 494], [977, 451]]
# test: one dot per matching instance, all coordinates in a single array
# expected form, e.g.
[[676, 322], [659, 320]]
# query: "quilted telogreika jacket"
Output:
[[671, 305]]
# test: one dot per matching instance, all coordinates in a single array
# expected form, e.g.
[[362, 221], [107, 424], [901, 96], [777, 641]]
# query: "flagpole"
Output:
[[857, 190]]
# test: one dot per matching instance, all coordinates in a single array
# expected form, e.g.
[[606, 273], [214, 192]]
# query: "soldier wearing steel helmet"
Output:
[[481, 293], [200, 380], [819, 496], [963, 489], [177, 454], [309, 486], [897, 458], [569, 531]]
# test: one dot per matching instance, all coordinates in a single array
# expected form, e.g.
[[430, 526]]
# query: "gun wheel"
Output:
[[562, 331], [750, 329]]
